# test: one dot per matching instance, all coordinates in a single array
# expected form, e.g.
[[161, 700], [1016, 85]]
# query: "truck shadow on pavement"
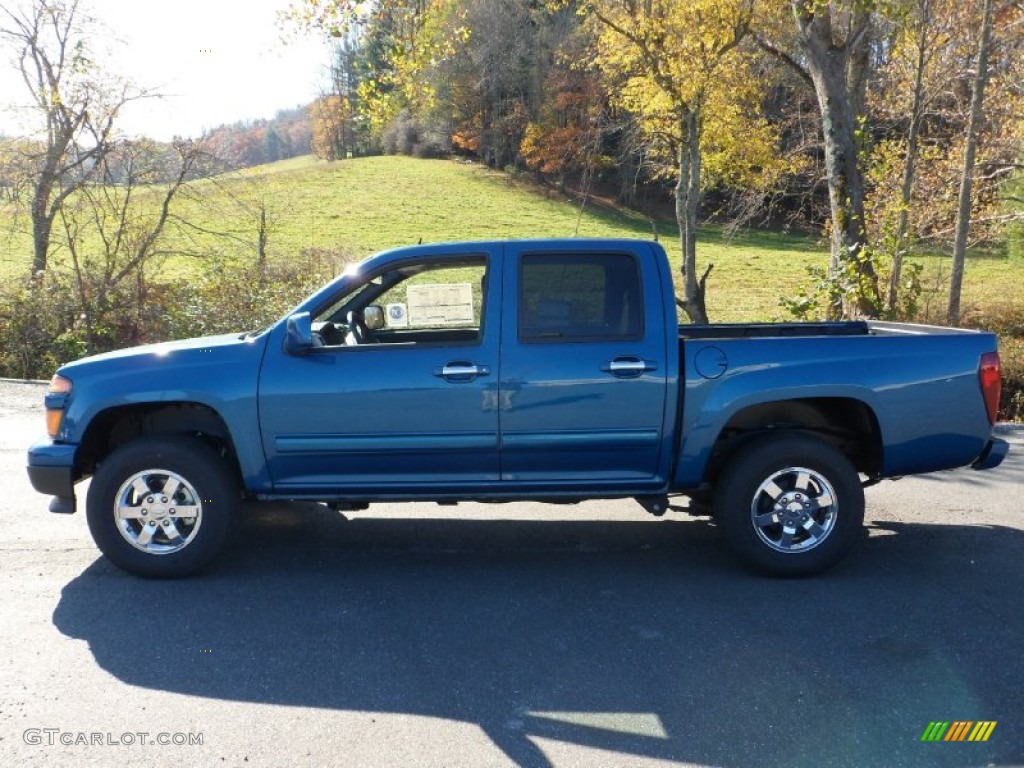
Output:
[[643, 638]]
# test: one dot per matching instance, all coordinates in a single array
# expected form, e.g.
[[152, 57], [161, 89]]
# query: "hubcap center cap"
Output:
[[157, 509]]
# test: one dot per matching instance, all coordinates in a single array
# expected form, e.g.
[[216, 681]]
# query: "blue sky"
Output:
[[215, 61]]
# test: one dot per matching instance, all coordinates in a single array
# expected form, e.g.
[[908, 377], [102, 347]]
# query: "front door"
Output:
[[410, 407]]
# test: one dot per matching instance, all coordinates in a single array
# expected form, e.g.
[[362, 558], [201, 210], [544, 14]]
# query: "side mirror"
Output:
[[373, 317], [298, 334]]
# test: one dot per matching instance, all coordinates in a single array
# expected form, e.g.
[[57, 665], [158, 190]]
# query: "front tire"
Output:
[[162, 506], [791, 505]]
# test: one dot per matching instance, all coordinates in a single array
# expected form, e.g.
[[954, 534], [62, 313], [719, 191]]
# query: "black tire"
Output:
[[169, 540], [789, 505]]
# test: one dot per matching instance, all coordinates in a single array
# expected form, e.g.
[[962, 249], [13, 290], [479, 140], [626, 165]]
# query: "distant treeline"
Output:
[[242, 144], [246, 143]]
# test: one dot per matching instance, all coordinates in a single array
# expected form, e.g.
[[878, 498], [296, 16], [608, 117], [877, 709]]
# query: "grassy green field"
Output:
[[364, 205]]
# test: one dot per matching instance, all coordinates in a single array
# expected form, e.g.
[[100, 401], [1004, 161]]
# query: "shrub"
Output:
[[401, 135], [43, 323], [39, 327], [406, 135], [232, 297]]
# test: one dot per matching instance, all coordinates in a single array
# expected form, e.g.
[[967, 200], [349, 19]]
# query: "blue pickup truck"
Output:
[[552, 370]]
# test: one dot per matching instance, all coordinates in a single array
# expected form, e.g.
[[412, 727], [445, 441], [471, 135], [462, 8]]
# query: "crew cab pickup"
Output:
[[552, 370]]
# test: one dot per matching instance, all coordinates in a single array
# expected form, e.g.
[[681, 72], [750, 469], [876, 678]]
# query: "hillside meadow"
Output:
[[360, 206], [355, 207]]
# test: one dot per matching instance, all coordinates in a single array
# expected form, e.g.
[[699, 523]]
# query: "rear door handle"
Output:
[[628, 366], [460, 370]]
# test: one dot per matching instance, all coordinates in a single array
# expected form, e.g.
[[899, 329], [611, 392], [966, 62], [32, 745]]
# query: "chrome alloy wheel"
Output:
[[794, 510], [158, 511]]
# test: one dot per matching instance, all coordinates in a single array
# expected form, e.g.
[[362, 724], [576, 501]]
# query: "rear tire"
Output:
[[162, 506], [791, 505]]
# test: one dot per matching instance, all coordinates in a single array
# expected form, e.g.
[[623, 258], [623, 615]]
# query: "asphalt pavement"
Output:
[[516, 634]]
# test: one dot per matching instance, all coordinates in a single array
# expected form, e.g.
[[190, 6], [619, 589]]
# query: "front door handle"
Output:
[[461, 370], [628, 366]]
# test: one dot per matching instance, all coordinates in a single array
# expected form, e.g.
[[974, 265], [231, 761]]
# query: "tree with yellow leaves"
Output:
[[679, 69]]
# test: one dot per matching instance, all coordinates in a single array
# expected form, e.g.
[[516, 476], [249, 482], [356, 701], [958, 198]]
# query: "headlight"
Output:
[[59, 385]]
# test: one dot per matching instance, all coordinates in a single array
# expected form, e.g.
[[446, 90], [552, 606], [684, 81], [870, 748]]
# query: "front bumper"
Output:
[[51, 470], [993, 454]]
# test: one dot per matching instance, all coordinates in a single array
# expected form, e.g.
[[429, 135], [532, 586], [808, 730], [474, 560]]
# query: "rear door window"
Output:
[[579, 297]]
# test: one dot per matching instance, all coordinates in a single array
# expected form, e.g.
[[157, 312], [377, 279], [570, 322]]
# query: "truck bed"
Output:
[[917, 387]]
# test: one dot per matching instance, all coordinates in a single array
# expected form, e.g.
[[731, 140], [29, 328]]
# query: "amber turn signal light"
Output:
[[53, 417], [58, 386]]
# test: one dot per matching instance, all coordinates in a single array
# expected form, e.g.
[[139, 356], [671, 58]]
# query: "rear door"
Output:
[[583, 370]]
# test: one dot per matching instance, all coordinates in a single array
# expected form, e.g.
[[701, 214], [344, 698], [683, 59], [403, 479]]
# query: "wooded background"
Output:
[[897, 122]]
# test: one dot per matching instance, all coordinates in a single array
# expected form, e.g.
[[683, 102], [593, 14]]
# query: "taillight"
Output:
[[988, 376]]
